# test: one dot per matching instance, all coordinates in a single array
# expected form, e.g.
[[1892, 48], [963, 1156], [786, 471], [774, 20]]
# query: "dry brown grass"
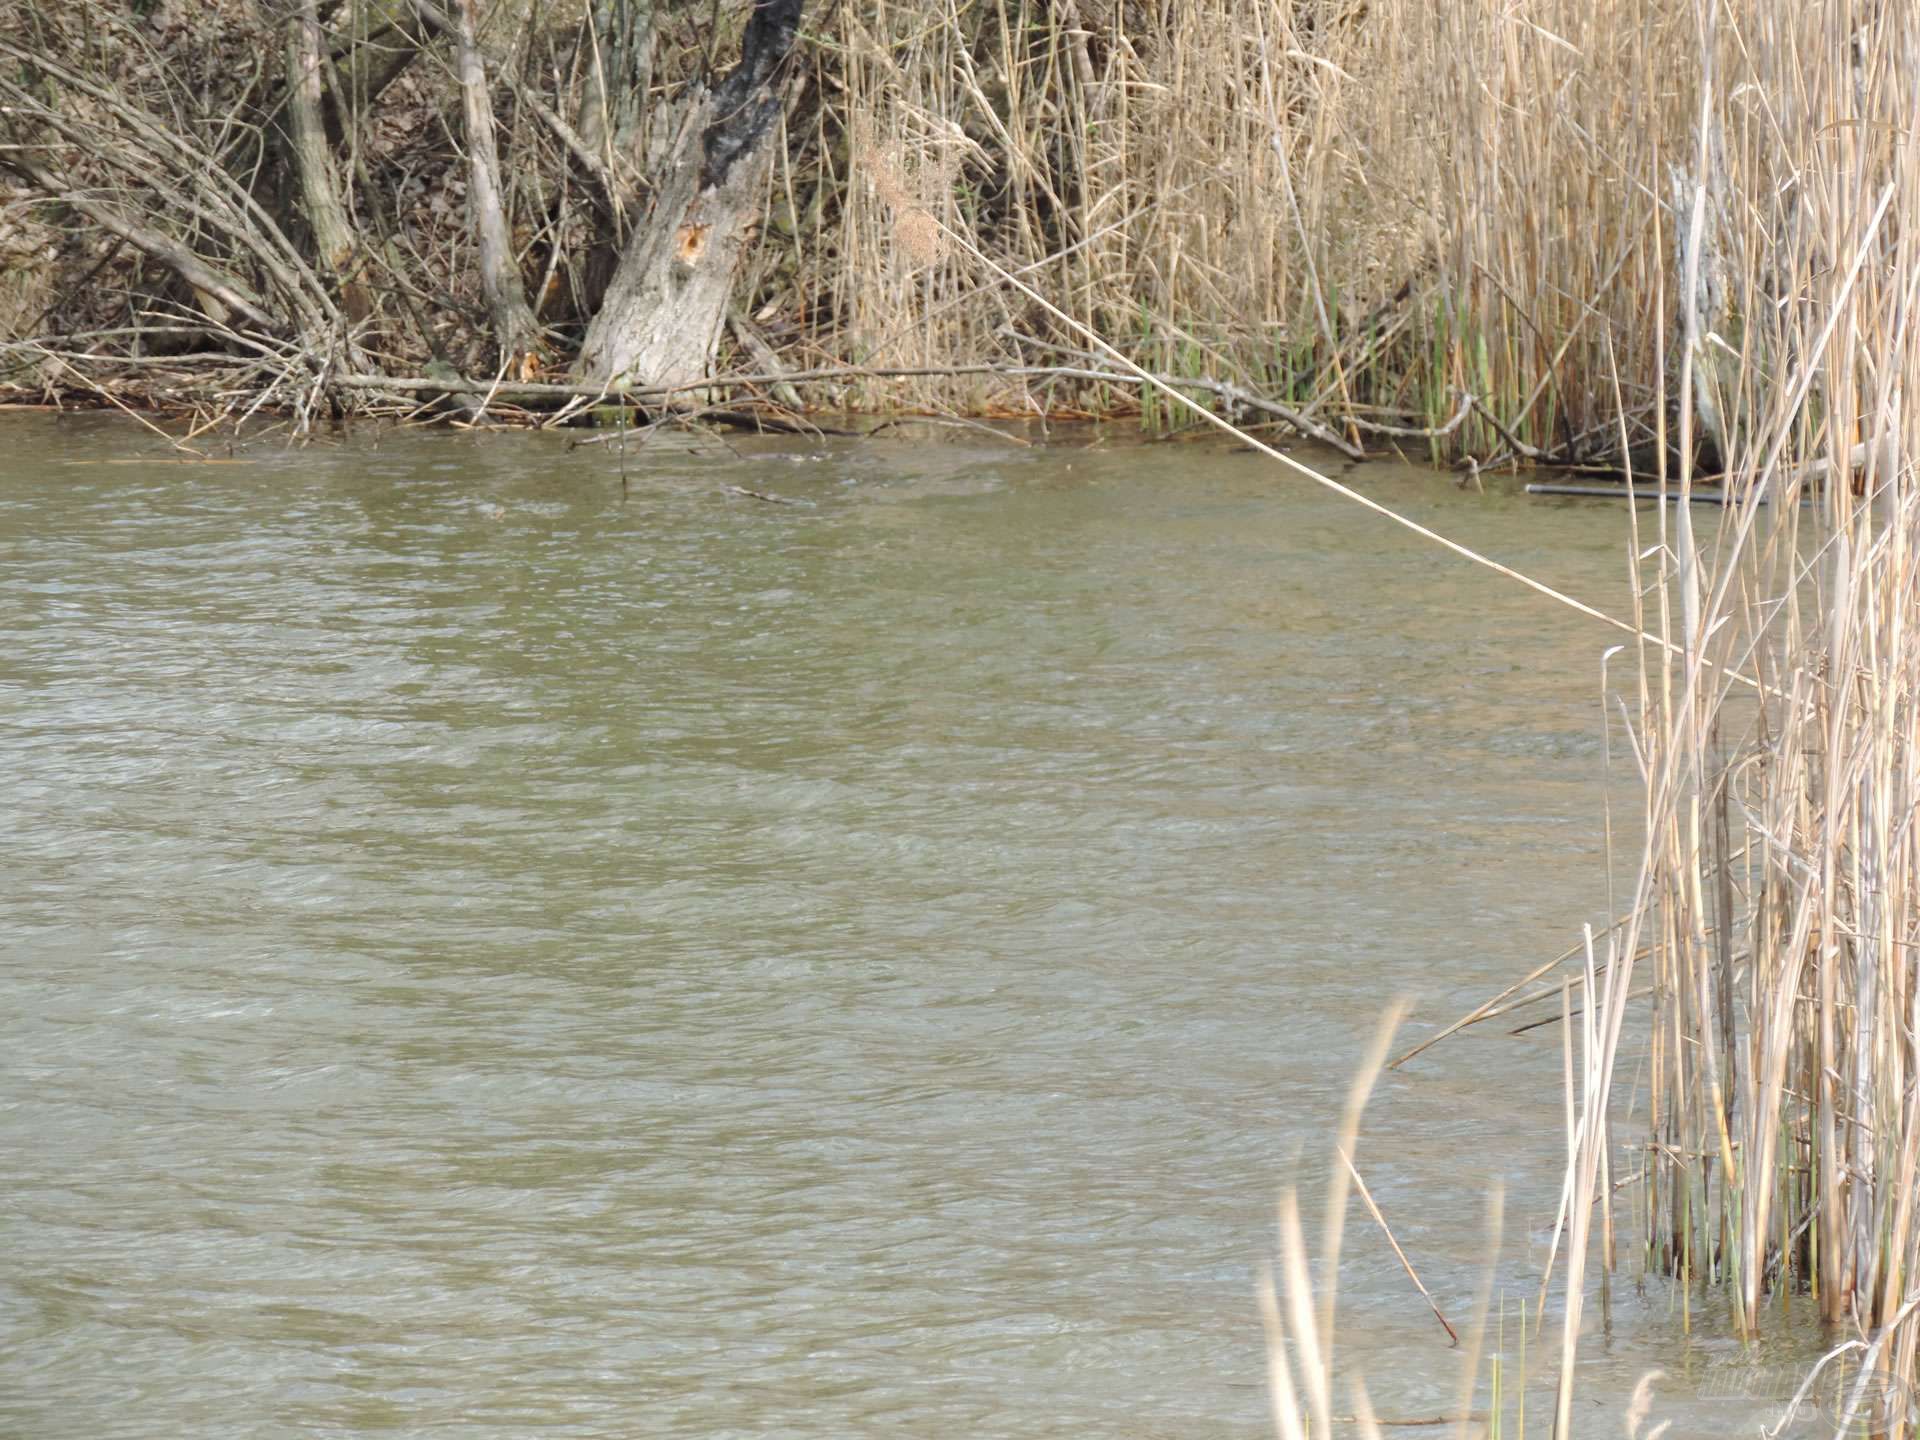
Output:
[[1684, 235], [1778, 896], [1362, 210]]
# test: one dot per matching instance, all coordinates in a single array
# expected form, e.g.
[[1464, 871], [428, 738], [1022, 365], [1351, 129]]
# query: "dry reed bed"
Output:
[[1445, 224], [1735, 225], [1778, 899], [1444, 217], [1779, 895], [1368, 212]]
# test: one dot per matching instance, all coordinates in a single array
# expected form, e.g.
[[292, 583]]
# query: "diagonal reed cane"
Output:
[[1299, 467]]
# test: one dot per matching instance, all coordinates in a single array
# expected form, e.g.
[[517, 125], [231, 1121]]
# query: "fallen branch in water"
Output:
[[1588, 491], [771, 499], [1411, 432], [537, 394], [1237, 396]]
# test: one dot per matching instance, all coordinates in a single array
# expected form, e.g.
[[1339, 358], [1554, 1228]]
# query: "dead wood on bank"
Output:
[[623, 196], [380, 204], [770, 397]]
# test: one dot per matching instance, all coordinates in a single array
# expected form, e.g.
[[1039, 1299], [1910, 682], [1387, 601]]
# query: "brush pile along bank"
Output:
[[1676, 235], [1456, 218]]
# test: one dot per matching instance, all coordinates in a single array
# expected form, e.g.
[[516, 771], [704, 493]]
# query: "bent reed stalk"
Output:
[[1777, 901], [1777, 896]]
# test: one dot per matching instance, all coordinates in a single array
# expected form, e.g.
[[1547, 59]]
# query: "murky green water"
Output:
[[491, 955]]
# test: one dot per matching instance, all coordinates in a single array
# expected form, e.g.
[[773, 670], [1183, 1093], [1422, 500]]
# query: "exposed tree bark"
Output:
[[385, 37], [660, 321], [619, 74], [317, 175], [514, 328]]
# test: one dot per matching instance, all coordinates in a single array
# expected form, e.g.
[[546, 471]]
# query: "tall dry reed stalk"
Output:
[[1778, 897], [1368, 212], [1301, 1319], [1682, 232]]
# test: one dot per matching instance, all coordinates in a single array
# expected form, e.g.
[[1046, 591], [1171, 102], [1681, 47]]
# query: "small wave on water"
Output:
[[667, 964]]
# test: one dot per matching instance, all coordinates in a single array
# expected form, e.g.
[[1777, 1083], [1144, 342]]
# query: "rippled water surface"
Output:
[[492, 953]]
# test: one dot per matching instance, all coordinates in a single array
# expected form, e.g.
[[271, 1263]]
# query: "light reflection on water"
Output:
[[485, 953]]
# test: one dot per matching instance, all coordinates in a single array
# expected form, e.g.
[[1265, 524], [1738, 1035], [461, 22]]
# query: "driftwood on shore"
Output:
[[220, 381], [506, 212]]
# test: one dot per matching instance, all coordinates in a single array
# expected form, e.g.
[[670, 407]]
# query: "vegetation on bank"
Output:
[[1660, 235], [1445, 227], [1766, 953]]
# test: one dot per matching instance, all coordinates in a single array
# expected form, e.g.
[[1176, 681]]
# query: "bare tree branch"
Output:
[[219, 293], [514, 328], [318, 176]]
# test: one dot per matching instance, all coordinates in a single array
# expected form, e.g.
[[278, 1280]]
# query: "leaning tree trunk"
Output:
[[659, 323], [318, 176], [514, 328], [619, 77]]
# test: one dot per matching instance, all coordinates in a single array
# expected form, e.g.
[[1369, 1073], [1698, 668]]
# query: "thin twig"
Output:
[[1386, 1230]]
